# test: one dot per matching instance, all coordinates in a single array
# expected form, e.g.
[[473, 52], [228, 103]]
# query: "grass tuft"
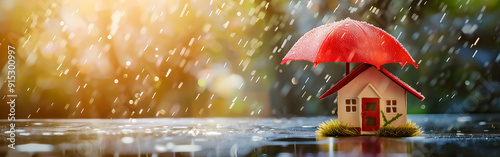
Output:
[[337, 129], [407, 130]]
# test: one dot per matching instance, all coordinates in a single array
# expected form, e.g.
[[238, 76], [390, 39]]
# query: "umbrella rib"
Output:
[[361, 28], [322, 45]]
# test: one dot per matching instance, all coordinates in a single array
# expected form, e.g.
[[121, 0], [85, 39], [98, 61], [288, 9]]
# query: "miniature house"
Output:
[[364, 92]]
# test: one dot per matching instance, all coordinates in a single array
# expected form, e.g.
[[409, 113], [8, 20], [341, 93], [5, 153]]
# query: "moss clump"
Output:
[[337, 129], [407, 130]]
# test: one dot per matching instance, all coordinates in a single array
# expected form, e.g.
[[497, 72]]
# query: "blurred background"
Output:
[[220, 58]]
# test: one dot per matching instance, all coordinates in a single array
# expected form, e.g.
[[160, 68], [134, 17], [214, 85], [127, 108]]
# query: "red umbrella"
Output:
[[349, 41]]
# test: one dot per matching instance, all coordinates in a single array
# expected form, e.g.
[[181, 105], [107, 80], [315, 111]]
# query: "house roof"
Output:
[[360, 69]]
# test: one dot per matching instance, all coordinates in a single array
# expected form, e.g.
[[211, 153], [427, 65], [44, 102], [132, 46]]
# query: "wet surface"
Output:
[[444, 135]]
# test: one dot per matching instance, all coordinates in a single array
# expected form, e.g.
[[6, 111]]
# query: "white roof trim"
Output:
[[370, 87]]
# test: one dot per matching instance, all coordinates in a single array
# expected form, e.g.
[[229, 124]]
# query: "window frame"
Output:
[[351, 105], [391, 106]]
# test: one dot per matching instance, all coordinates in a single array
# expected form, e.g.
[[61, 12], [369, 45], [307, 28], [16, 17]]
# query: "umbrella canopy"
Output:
[[349, 41]]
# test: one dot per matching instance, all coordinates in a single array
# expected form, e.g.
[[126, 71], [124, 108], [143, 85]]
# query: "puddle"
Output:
[[444, 135]]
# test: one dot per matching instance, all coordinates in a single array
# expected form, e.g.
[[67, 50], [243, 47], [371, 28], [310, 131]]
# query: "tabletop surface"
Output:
[[444, 135]]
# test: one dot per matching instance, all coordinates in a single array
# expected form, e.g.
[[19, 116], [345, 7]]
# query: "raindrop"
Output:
[[211, 133], [464, 119], [191, 42], [58, 133], [127, 140], [168, 72], [444, 14], [225, 24], [257, 138], [480, 16], [183, 10]]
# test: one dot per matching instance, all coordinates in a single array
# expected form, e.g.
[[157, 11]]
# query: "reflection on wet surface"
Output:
[[444, 135]]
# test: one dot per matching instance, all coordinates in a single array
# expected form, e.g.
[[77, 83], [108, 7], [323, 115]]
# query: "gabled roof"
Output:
[[360, 69]]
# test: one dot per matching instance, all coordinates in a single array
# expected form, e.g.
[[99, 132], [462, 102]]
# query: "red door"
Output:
[[370, 114]]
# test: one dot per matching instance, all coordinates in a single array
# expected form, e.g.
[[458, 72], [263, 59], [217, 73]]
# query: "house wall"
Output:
[[387, 88]]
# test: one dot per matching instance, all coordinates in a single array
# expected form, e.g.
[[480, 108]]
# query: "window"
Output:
[[350, 105], [391, 106]]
